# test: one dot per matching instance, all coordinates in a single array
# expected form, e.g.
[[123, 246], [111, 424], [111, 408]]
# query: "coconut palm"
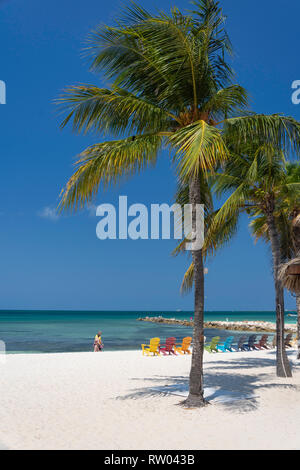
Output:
[[288, 225], [259, 185], [170, 87]]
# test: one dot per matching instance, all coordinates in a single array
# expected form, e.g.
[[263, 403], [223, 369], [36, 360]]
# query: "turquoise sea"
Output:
[[68, 331]]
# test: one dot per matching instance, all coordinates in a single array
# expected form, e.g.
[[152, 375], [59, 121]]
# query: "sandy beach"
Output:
[[122, 400]]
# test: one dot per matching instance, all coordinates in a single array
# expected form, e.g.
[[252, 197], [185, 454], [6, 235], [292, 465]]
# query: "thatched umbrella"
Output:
[[289, 275]]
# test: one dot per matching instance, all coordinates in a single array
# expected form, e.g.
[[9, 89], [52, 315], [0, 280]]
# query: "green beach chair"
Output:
[[213, 345]]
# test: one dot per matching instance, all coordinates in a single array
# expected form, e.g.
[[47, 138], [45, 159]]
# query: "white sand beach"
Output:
[[122, 400]]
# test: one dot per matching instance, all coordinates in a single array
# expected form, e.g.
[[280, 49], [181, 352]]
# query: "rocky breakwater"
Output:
[[255, 326]]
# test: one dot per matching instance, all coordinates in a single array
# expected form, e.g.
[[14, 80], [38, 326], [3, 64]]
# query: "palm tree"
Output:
[[294, 176], [288, 224], [259, 185], [293, 212], [170, 88]]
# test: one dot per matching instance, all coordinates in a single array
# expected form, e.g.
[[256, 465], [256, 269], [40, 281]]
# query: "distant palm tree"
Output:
[[294, 176], [287, 221], [171, 87], [259, 184]]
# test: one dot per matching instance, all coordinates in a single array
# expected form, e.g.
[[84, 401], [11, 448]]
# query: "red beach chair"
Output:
[[263, 343], [168, 347]]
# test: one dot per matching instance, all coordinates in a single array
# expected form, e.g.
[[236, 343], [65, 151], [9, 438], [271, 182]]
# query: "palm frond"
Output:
[[199, 148], [108, 163], [111, 110], [173, 59], [225, 101], [219, 235], [259, 228], [188, 280], [280, 131]]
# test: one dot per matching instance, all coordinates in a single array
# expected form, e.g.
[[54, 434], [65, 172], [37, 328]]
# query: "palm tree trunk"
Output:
[[282, 364], [298, 323], [196, 393]]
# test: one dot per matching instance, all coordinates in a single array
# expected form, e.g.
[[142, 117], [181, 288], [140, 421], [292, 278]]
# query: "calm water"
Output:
[[67, 331]]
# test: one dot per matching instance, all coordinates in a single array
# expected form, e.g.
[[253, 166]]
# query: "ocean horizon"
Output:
[[53, 331]]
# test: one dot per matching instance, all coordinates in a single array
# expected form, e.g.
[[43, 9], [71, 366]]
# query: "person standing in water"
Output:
[[98, 345]]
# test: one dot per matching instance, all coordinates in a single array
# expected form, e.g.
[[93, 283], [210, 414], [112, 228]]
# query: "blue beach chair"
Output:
[[227, 345], [251, 343], [241, 343]]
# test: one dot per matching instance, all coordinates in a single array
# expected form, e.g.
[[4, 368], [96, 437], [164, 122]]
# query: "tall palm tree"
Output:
[[170, 88], [292, 210], [258, 182], [294, 176], [287, 221]]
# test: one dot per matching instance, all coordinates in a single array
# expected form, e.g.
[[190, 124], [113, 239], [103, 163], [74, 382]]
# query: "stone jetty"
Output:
[[256, 326]]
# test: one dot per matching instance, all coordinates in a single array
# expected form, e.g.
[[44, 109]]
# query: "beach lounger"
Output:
[[168, 347], [263, 342], [227, 345], [251, 343], [241, 343], [294, 342], [213, 345], [274, 342], [153, 347], [183, 348], [287, 341]]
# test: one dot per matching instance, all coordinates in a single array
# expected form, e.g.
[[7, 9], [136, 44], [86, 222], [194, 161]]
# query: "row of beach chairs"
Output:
[[170, 347], [246, 344]]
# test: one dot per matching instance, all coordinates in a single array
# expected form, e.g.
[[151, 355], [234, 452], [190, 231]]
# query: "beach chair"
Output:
[[287, 341], [153, 347], [273, 345], [168, 347], [294, 342], [226, 346], [251, 343], [183, 348], [213, 345], [263, 342], [241, 343]]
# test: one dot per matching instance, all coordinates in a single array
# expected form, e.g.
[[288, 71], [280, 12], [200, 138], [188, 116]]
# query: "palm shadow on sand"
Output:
[[223, 385]]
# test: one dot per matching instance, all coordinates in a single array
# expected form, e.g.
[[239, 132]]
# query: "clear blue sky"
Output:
[[53, 264]]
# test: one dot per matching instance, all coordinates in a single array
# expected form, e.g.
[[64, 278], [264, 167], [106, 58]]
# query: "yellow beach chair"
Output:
[[294, 342], [153, 347], [184, 347]]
